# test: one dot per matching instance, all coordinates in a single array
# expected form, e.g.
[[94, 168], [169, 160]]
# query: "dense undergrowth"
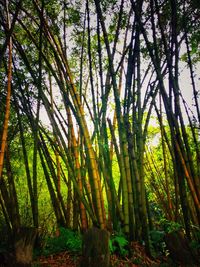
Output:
[[121, 250], [64, 239], [120, 247]]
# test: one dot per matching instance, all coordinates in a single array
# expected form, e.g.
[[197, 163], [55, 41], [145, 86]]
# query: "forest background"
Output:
[[118, 82]]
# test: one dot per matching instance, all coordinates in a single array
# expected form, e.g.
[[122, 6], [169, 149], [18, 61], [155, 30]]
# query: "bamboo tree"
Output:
[[171, 117], [90, 152], [12, 194], [56, 153], [122, 134], [165, 163], [8, 96], [81, 143], [75, 154], [55, 203], [10, 28]]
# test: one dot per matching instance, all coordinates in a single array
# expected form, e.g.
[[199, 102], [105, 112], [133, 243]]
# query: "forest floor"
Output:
[[66, 259], [137, 259]]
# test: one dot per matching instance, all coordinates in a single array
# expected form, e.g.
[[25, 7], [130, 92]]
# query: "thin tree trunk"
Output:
[[8, 96]]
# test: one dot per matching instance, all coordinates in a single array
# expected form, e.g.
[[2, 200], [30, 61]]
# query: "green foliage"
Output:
[[118, 244], [157, 241], [74, 15], [67, 240], [169, 226], [155, 211], [157, 236], [195, 243]]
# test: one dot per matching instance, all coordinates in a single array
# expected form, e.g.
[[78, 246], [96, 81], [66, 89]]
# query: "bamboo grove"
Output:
[[101, 71]]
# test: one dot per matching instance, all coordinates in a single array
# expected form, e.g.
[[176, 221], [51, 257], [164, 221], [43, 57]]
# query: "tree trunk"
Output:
[[24, 240], [96, 248], [7, 111]]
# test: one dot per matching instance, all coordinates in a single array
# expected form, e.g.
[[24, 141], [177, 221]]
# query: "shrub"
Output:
[[170, 226], [157, 241], [118, 244], [67, 240]]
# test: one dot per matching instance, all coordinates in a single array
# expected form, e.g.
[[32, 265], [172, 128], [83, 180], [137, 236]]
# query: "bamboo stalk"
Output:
[[8, 97]]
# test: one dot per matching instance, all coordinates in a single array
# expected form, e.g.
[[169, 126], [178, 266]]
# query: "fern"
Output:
[[67, 240], [118, 244]]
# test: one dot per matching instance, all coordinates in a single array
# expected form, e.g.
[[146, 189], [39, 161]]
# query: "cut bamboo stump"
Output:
[[179, 248], [96, 248], [23, 244]]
